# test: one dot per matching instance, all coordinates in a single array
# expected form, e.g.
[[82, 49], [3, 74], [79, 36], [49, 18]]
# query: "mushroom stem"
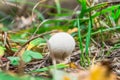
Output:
[[54, 63]]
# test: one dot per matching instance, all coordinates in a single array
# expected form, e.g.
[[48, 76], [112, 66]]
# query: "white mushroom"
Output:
[[61, 46]]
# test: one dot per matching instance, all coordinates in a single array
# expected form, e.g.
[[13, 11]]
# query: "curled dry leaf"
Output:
[[22, 22], [72, 30]]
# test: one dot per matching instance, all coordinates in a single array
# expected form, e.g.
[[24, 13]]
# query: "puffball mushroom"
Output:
[[61, 46]]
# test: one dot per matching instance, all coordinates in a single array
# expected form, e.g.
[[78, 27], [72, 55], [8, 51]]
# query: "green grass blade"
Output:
[[88, 37], [106, 10], [88, 40], [101, 12], [80, 36], [84, 7], [58, 6], [59, 66], [82, 57], [103, 30], [98, 6]]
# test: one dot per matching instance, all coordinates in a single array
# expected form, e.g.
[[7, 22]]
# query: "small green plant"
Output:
[[14, 60], [28, 55], [35, 43]]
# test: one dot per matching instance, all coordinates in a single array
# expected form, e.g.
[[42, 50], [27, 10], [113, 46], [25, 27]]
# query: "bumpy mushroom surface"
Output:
[[61, 45]]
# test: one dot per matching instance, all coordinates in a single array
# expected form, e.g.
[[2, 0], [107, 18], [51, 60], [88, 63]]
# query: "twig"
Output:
[[6, 42], [95, 42], [39, 27], [7, 65], [43, 61], [37, 5], [10, 4]]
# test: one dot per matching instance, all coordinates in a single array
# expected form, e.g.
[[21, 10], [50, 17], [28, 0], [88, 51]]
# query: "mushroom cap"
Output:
[[61, 45]]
